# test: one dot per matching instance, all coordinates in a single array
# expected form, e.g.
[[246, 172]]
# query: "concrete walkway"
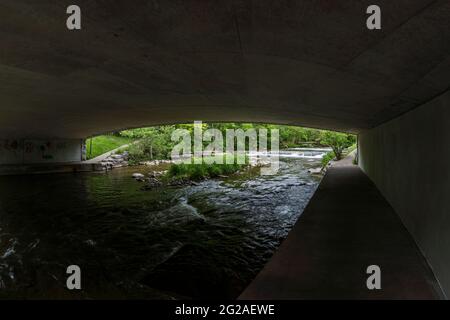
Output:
[[347, 226]]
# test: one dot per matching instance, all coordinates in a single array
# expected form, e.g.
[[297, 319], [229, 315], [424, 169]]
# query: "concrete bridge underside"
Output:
[[310, 63]]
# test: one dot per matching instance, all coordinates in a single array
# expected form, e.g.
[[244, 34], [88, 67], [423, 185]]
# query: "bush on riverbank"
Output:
[[332, 156], [201, 171], [148, 150], [156, 143], [339, 142], [327, 158]]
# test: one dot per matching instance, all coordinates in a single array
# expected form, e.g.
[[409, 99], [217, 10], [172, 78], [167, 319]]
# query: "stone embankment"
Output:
[[115, 161]]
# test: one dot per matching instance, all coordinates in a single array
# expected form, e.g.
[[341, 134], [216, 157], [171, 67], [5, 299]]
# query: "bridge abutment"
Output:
[[15, 151], [407, 158]]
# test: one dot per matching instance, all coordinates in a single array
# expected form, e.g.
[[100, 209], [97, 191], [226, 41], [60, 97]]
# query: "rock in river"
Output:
[[138, 176], [315, 171], [152, 183]]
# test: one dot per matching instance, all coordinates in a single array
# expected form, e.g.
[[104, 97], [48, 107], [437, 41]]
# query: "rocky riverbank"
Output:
[[115, 161], [158, 179], [119, 160]]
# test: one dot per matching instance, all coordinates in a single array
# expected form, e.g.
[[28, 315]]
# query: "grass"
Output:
[[201, 171], [103, 144]]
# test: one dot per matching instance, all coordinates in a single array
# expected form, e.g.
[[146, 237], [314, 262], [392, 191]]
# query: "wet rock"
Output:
[[90, 242], [115, 161], [139, 176], [315, 171], [154, 162], [153, 183], [181, 182], [156, 174]]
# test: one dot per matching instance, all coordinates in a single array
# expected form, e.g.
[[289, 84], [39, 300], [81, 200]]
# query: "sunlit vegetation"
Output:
[[339, 142], [101, 144], [202, 171], [327, 158], [155, 142]]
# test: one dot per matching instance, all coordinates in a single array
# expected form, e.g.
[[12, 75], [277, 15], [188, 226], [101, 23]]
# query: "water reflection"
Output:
[[203, 241]]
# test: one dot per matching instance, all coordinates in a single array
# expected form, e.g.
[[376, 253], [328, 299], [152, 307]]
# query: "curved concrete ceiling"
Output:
[[143, 62]]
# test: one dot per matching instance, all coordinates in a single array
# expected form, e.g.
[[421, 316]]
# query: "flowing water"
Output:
[[203, 241]]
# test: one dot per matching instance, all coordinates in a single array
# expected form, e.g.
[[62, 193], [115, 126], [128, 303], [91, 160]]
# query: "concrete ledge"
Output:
[[16, 151], [346, 227], [50, 168]]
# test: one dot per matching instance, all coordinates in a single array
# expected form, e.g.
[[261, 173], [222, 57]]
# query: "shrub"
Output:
[[338, 142], [201, 171], [327, 158], [149, 149]]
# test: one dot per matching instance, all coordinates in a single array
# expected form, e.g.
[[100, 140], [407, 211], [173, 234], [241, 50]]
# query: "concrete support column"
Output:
[[408, 159], [36, 151]]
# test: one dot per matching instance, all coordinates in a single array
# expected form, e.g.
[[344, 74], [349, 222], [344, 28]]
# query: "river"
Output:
[[200, 242]]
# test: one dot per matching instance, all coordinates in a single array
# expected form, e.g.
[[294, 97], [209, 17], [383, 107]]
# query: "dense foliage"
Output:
[[155, 142], [327, 158], [200, 171], [152, 143], [338, 142]]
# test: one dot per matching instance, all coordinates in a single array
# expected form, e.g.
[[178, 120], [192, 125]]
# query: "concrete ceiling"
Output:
[[137, 63]]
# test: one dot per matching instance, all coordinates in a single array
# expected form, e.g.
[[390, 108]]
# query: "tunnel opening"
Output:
[[300, 63], [207, 236]]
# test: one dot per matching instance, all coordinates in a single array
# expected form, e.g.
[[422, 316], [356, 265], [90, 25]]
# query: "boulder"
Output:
[[152, 183], [315, 171], [138, 176]]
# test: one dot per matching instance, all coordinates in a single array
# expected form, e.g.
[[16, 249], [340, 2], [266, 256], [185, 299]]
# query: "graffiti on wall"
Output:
[[46, 149], [10, 150], [10, 145], [16, 151]]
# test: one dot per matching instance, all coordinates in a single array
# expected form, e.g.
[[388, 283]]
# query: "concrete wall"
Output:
[[408, 159], [24, 151]]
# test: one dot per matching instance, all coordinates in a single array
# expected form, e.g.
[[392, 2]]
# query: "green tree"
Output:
[[154, 143], [337, 141]]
